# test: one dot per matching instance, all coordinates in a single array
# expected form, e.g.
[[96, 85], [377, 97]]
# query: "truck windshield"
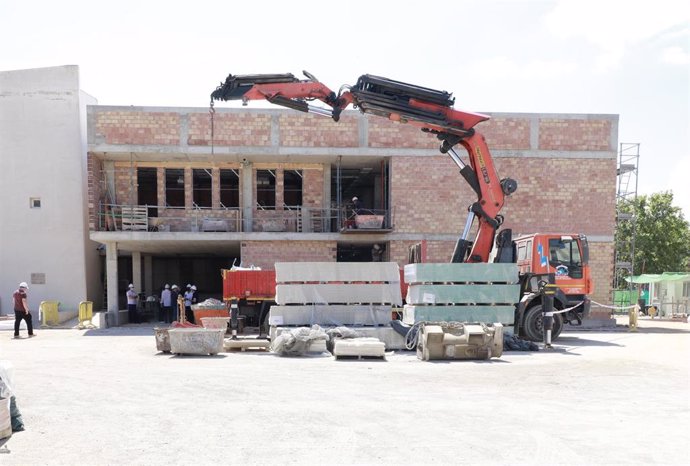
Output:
[[564, 252]]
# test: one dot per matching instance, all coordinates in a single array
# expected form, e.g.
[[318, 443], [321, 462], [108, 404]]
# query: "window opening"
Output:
[[147, 189], [174, 187], [292, 188], [229, 188], [266, 189], [202, 187]]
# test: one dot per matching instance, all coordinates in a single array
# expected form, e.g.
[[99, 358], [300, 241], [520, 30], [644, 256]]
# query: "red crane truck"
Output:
[[433, 112]]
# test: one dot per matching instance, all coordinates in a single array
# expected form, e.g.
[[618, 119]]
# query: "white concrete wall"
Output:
[[43, 154]]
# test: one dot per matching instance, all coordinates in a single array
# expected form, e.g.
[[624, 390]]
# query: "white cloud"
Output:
[[675, 56], [614, 26]]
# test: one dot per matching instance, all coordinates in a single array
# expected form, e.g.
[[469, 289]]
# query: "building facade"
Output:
[[44, 229], [176, 194]]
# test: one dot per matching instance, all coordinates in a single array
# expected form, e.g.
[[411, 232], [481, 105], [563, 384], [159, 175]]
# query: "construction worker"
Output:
[[195, 295], [21, 310], [166, 302], [188, 296], [132, 299], [376, 253], [174, 293]]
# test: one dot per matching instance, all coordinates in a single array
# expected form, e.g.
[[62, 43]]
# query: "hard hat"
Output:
[[131, 286], [194, 287], [174, 286], [355, 198], [188, 285], [167, 287], [376, 246], [23, 285]]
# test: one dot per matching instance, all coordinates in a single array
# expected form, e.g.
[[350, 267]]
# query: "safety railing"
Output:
[[299, 219]]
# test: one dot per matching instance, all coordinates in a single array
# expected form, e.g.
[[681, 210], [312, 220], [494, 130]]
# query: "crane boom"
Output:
[[428, 109]]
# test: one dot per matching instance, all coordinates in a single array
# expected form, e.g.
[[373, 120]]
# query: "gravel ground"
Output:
[[107, 397]]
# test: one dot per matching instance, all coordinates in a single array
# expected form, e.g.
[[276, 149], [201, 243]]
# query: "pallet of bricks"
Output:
[[358, 296]]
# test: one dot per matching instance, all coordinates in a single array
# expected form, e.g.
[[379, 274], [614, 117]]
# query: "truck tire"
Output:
[[532, 326]]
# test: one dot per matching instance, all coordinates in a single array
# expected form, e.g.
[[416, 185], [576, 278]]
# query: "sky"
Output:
[[630, 58]]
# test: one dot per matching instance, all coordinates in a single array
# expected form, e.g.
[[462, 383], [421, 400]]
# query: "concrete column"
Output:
[[247, 174], [111, 283], [148, 274], [136, 271]]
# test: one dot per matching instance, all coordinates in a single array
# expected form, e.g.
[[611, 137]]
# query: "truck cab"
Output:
[[566, 257]]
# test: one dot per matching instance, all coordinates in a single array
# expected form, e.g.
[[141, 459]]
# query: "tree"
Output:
[[662, 240]]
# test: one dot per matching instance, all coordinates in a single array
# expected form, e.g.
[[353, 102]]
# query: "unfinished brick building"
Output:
[[172, 204]]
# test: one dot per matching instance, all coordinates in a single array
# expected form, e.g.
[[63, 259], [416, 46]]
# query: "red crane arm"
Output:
[[428, 109]]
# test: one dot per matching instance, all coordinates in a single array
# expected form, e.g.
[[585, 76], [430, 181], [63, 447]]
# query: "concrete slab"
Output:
[[337, 272], [339, 294], [463, 294], [461, 273], [487, 314], [392, 339], [330, 315]]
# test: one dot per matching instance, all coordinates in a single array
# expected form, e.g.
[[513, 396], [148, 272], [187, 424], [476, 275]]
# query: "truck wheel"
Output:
[[533, 327]]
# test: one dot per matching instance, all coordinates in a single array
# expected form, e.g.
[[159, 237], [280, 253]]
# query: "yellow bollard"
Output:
[[632, 318], [85, 314], [49, 313]]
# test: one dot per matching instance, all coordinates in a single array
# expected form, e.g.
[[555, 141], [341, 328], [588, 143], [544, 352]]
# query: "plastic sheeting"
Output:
[[298, 341]]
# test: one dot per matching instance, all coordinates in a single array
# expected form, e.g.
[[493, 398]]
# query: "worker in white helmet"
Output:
[[188, 295], [21, 310], [132, 299], [166, 303]]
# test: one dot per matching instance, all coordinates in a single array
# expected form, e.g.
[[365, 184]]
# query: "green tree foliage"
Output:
[[662, 241]]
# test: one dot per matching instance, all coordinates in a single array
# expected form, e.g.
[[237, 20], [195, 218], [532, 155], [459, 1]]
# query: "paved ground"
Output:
[[107, 397]]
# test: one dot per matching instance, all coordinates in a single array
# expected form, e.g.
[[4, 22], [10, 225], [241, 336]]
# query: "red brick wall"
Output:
[[312, 187], [265, 254], [578, 195], [601, 265], [561, 195], [428, 195], [129, 127], [386, 133], [506, 133], [573, 134], [230, 129], [304, 130]]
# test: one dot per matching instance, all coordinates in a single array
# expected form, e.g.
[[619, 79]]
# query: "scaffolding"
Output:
[[626, 193]]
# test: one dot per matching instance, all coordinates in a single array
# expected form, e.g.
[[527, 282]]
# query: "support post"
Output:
[[548, 292], [111, 284], [234, 311]]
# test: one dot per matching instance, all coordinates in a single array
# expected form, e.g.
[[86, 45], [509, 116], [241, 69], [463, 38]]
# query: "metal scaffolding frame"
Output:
[[624, 254]]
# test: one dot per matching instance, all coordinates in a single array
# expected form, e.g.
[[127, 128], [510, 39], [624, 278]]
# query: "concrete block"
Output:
[[339, 294], [485, 314], [244, 344], [463, 294], [337, 272], [196, 340], [365, 347], [461, 273], [330, 315]]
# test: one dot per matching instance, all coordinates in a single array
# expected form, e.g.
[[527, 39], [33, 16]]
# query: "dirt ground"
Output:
[[107, 397]]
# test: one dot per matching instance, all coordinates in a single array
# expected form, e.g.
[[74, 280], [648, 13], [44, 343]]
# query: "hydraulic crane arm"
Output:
[[428, 109]]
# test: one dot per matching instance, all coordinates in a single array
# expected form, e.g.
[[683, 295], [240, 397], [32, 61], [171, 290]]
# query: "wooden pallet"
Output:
[[242, 344]]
